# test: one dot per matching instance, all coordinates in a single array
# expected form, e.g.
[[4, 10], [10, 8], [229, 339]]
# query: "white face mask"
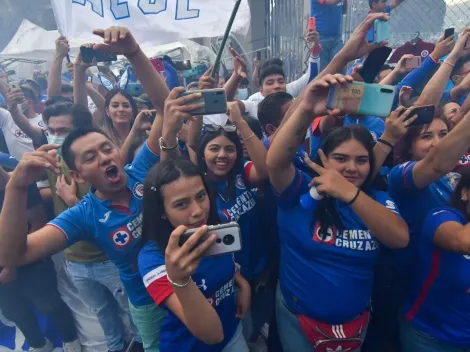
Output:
[[51, 139], [242, 94]]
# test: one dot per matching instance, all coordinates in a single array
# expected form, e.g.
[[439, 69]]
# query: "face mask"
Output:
[[51, 139], [242, 94]]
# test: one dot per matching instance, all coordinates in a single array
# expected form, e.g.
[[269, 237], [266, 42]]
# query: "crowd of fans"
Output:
[[377, 264]]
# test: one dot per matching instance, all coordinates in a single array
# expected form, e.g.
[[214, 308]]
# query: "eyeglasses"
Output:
[[217, 128]]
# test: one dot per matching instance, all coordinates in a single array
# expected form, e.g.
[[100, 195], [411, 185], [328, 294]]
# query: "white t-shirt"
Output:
[[17, 141]]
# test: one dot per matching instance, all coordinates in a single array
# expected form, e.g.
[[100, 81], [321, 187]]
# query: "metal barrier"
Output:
[[426, 19], [285, 35]]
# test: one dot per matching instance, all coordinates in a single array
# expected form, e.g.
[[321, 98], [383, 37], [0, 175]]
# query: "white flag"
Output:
[[152, 22]]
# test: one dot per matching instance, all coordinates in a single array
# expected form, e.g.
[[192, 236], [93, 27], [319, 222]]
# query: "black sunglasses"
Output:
[[217, 128]]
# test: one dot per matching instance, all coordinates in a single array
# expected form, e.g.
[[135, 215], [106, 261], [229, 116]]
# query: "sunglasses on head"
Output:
[[217, 128]]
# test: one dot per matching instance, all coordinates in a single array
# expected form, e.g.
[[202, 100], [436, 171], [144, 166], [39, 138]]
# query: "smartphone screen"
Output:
[[449, 32], [425, 115], [373, 63], [258, 55], [413, 62]]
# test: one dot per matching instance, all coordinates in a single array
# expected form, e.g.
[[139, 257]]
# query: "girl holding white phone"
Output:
[[198, 291]]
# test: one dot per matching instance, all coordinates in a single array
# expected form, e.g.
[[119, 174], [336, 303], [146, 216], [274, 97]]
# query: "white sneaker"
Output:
[[46, 348], [73, 346]]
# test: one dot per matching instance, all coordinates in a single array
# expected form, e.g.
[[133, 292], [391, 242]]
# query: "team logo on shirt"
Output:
[[239, 183], [121, 237], [424, 53], [327, 237], [41, 124], [20, 134], [138, 190], [453, 178]]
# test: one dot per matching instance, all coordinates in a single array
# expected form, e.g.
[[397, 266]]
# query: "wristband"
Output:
[[355, 197], [383, 141], [448, 63], [164, 147], [179, 285], [251, 135]]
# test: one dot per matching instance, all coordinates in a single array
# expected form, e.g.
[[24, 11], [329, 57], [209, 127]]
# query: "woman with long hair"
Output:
[[198, 292], [328, 252], [437, 308]]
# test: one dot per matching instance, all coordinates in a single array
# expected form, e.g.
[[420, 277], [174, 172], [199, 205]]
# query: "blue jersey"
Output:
[[415, 204], [115, 230], [328, 18], [439, 300], [214, 277], [241, 208], [298, 159], [325, 277], [375, 125]]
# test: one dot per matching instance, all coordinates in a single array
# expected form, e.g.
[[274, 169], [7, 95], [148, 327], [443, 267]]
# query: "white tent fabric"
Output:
[[32, 42]]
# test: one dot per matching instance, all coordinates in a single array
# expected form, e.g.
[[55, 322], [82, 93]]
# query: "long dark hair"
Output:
[[108, 122], [402, 152], [155, 225], [326, 213], [456, 200], [233, 137]]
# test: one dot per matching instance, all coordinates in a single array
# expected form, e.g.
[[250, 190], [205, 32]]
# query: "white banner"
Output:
[[152, 22]]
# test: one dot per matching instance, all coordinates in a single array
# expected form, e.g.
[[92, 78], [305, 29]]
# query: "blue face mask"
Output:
[[51, 139], [242, 94]]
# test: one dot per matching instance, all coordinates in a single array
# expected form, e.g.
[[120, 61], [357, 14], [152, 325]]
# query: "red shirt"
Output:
[[421, 48]]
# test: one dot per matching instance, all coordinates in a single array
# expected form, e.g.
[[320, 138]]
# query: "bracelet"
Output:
[[355, 197], [164, 147], [179, 285], [382, 149], [383, 141], [251, 135], [448, 63], [135, 52]]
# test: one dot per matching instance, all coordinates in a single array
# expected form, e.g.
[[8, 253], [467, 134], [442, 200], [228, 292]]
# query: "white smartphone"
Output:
[[15, 85], [228, 239]]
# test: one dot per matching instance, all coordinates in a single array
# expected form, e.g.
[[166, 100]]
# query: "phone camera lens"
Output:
[[218, 240], [228, 240], [386, 90], [216, 101]]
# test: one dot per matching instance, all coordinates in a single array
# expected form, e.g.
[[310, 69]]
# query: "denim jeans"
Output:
[[415, 340], [292, 337], [100, 288], [262, 309], [237, 343], [35, 287], [330, 47], [148, 320]]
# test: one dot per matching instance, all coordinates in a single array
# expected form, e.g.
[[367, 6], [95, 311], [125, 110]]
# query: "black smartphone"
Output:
[[89, 53], [425, 115], [373, 63], [449, 32], [258, 55]]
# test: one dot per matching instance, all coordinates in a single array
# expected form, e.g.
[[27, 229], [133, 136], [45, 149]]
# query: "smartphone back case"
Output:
[[377, 99], [381, 30], [228, 241], [214, 100]]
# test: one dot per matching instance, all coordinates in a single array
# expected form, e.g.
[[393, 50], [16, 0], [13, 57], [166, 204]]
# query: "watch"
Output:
[[164, 147]]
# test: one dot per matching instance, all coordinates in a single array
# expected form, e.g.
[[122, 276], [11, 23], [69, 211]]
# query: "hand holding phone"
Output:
[[211, 101], [188, 252], [449, 32], [373, 63], [413, 62], [88, 54], [227, 239], [312, 24], [425, 115]]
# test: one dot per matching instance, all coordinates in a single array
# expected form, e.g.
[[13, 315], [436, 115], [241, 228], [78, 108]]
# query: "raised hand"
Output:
[[316, 95], [234, 113], [239, 64], [357, 46], [330, 181], [62, 47], [397, 123], [177, 110], [33, 165], [443, 47], [401, 64], [459, 50], [312, 39], [207, 81], [117, 40], [182, 262], [405, 95], [143, 121], [14, 97]]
